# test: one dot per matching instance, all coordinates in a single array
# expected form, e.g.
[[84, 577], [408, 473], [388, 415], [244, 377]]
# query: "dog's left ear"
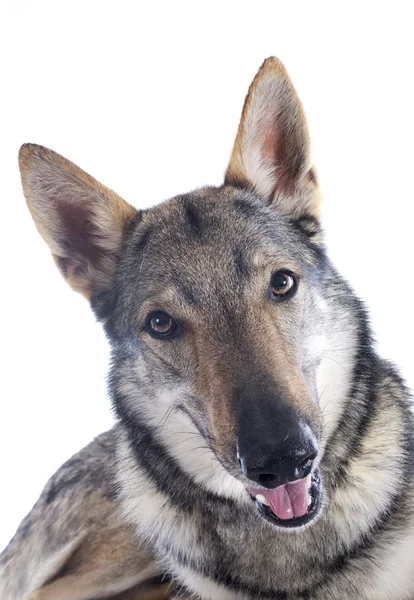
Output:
[[271, 154]]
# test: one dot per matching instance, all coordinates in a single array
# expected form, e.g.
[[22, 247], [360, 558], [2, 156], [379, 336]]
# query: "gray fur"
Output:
[[212, 529], [74, 532], [163, 493]]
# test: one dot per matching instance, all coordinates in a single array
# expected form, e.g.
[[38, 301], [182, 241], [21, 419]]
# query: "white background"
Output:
[[146, 96]]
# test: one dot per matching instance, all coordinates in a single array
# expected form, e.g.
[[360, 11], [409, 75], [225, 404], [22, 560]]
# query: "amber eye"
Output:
[[160, 323], [283, 284]]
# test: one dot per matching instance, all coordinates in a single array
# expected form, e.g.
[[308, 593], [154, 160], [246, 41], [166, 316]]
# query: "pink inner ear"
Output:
[[281, 159], [268, 154], [284, 152], [269, 147], [80, 236]]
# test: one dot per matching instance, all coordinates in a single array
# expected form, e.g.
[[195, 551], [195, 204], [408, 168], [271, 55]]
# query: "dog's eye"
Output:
[[160, 324], [282, 284]]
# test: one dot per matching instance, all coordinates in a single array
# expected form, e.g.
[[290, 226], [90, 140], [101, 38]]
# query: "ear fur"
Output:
[[82, 221], [271, 154]]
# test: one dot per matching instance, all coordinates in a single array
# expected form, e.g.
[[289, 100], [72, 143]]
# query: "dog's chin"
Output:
[[292, 505]]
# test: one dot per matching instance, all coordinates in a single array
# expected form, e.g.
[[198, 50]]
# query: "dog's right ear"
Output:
[[82, 221]]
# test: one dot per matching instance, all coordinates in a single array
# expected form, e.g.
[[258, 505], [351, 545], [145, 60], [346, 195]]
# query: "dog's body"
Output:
[[74, 539], [228, 389]]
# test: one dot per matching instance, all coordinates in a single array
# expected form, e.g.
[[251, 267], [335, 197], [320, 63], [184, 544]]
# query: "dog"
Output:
[[263, 449]]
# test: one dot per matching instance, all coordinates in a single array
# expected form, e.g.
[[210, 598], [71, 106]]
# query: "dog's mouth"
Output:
[[290, 505]]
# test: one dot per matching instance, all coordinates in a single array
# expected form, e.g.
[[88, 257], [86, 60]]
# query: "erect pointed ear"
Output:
[[271, 154], [82, 221]]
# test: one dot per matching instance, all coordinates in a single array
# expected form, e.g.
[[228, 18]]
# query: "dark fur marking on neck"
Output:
[[221, 576]]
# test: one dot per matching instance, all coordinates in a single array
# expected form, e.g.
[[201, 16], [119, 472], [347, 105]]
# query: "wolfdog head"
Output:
[[215, 304]]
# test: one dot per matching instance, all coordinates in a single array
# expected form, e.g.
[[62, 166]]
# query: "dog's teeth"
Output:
[[309, 480], [262, 499]]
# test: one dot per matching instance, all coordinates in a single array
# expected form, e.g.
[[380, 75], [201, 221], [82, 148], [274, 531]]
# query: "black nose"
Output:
[[273, 460]]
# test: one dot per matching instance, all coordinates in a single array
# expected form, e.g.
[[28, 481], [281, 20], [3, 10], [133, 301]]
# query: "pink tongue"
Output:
[[287, 501]]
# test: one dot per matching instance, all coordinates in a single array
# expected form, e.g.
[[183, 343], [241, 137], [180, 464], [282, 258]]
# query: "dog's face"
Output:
[[211, 300]]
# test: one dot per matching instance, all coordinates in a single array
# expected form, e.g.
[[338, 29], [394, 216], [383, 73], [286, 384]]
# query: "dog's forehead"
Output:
[[210, 242], [214, 226]]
